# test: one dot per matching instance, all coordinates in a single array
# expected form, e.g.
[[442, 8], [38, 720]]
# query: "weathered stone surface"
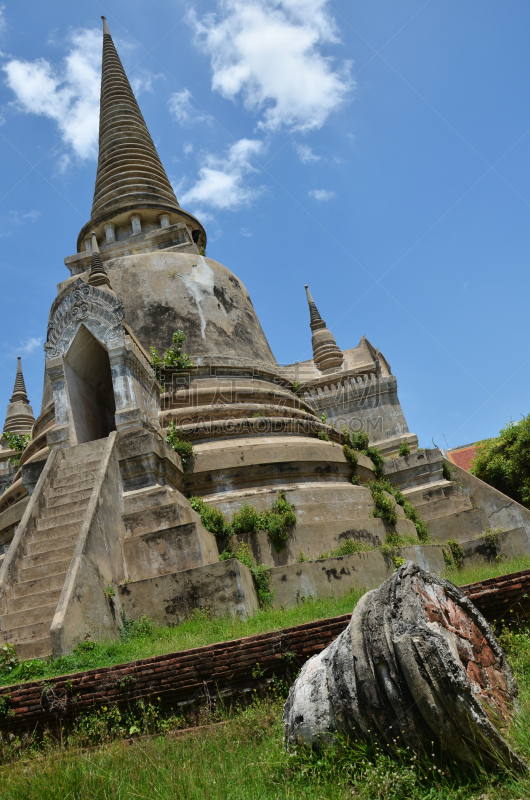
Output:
[[327, 577], [222, 588], [418, 662]]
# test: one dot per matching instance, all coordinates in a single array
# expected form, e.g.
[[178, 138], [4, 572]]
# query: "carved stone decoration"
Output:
[[100, 311], [131, 400], [417, 664]]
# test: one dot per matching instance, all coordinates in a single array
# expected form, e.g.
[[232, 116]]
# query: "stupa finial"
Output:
[[106, 31], [19, 390], [326, 353]]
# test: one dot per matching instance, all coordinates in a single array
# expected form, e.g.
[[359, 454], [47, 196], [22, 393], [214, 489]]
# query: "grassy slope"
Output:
[[245, 760], [196, 632], [200, 630]]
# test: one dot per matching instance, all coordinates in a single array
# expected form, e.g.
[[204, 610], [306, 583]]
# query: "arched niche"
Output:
[[90, 388]]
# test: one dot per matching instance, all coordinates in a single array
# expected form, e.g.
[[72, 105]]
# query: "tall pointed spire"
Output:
[[19, 418], [129, 169], [326, 353], [130, 176]]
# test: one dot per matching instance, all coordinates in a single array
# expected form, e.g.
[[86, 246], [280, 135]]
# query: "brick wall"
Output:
[[502, 598], [224, 669]]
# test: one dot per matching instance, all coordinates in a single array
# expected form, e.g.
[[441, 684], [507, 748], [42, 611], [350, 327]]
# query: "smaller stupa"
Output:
[[19, 417], [326, 353]]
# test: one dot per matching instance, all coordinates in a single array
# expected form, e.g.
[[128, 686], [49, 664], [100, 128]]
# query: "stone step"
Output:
[[26, 633], [444, 507], [47, 570], [37, 648], [27, 618], [56, 530], [35, 600], [39, 584], [67, 499], [51, 543], [60, 521], [85, 450], [461, 526], [77, 507], [46, 558], [66, 491], [73, 461], [427, 492], [67, 478]]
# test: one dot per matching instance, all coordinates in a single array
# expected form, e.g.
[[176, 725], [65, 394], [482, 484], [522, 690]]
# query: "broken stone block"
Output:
[[417, 666]]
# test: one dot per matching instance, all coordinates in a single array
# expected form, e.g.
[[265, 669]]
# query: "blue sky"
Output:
[[378, 151]]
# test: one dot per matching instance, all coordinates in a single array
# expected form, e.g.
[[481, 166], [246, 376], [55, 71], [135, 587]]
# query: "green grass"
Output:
[[484, 571], [245, 759], [199, 630], [202, 630]]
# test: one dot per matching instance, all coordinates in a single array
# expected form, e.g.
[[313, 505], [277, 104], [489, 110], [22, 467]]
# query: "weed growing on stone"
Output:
[[404, 449], [457, 553], [261, 574], [359, 440], [410, 512], [212, 518], [173, 358], [275, 521], [347, 548], [179, 445]]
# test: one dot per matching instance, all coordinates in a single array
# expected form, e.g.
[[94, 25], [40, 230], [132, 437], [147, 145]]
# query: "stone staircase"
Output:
[[47, 552]]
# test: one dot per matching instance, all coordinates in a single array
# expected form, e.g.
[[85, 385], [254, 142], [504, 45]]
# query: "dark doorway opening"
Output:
[[90, 390]]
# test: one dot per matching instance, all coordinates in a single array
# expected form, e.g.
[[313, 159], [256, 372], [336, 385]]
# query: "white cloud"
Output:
[[221, 181], [29, 346], [187, 149], [182, 110], [67, 94], [142, 81], [268, 51], [18, 217], [3, 21], [305, 154], [246, 232], [322, 195]]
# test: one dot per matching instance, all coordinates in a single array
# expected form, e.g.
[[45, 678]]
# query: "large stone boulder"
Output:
[[418, 664]]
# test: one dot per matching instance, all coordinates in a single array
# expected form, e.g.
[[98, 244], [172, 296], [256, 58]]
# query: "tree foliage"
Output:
[[504, 462]]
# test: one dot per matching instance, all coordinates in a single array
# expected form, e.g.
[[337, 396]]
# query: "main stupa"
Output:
[[96, 521]]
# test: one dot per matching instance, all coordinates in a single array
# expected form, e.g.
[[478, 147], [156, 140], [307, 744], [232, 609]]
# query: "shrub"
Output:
[[17, 442], [323, 435], [404, 449], [180, 446], [504, 462], [247, 520], [275, 520], [211, 518]]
